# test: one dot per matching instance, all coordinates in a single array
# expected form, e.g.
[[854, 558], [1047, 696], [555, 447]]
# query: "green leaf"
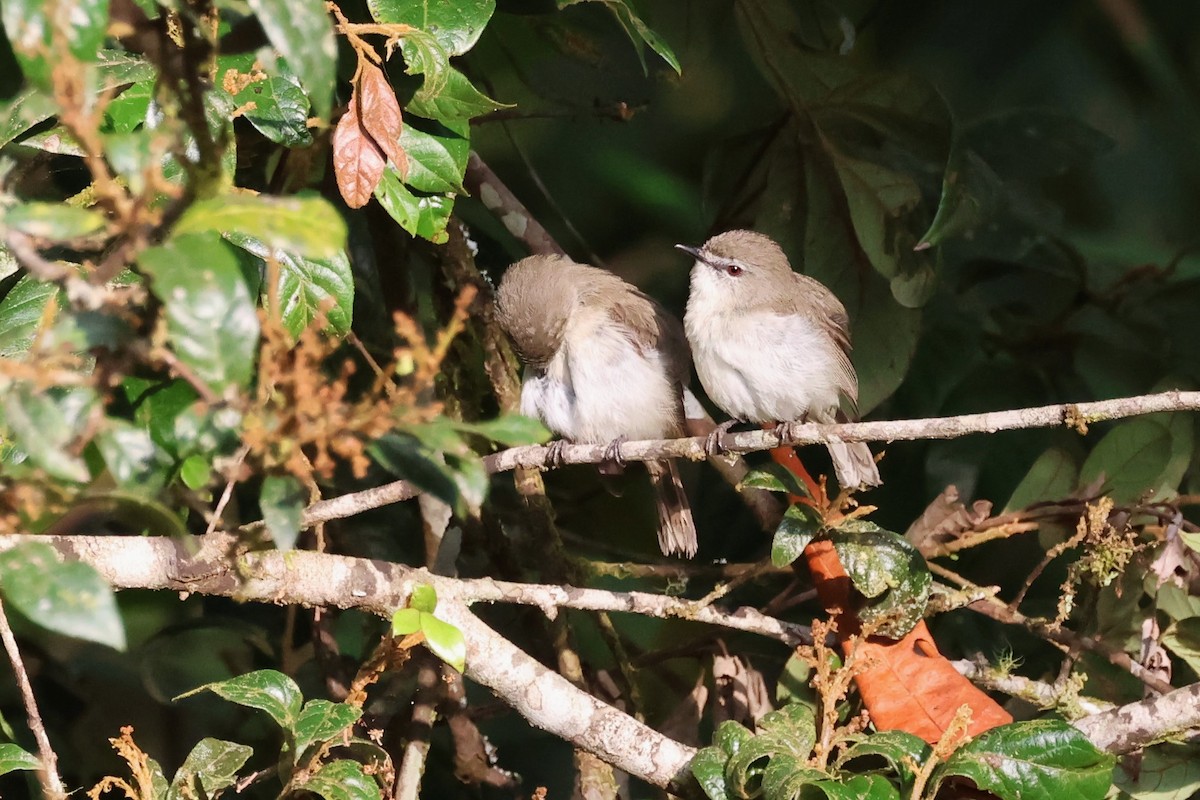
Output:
[[52, 221], [888, 570], [709, 768], [211, 320], [445, 640], [639, 33], [1032, 760], [264, 689], [1183, 639], [775, 478], [38, 29], [406, 621], [786, 775], [280, 110], [425, 215], [511, 430], [437, 160], [65, 597], [29, 108], [407, 457], [282, 501], [789, 732], [320, 721], [1164, 772], [195, 472], [457, 99], [209, 769], [307, 287], [876, 196], [899, 749], [47, 424], [13, 758], [343, 780], [1053, 476], [456, 24], [424, 55], [305, 224], [132, 457], [302, 32], [423, 598], [731, 737], [20, 312], [799, 525], [1143, 457]]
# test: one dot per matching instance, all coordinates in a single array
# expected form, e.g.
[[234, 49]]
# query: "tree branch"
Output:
[[1136, 725]]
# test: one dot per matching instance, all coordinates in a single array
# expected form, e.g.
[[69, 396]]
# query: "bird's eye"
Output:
[[733, 270]]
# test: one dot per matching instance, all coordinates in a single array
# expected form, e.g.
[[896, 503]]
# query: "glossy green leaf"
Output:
[[156, 406], [423, 598], [421, 215], [321, 721], [456, 24], [708, 766], [305, 224], [195, 472], [436, 159], [406, 621], [731, 736], [280, 110], [14, 758], [511, 430], [52, 221], [799, 525], [899, 750], [211, 321], [264, 689], [1036, 760], [425, 56], [789, 732], [343, 780], [65, 597], [29, 108], [20, 312], [786, 775], [1141, 457], [127, 111], [308, 287], [209, 769], [888, 570], [302, 32], [46, 426], [37, 29], [775, 478], [132, 457], [637, 30], [282, 501], [457, 99], [1054, 475], [445, 640]]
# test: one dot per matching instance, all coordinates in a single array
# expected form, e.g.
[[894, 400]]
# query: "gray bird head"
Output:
[[745, 267], [533, 305]]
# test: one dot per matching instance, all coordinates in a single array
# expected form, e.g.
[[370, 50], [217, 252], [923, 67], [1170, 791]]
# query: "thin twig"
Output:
[[52, 784]]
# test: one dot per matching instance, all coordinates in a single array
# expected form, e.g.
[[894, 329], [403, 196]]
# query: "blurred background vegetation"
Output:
[[1046, 153]]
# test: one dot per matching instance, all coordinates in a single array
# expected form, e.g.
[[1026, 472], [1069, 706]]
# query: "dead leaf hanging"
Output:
[[379, 114], [358, 162]]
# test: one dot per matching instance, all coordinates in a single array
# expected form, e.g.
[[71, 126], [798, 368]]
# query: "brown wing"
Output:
[[821, 306]]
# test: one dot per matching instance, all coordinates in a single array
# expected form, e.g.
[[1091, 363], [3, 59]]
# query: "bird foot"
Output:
[[554, 453], [714, 443], [612, 453]]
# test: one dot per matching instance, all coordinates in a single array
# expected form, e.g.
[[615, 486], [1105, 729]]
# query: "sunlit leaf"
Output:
[[457, 99], [320, 721], [512, 430], [306, 224], [13, 758], [65, 597], [52, 221], [282, 501], [436, 159], [406, 621], [209, 769], [423, 598], [421, 215], [445, 640], [264, 689], [20, 312], [302, 31], [38, 29], [456, 24], [888, 570], [799, 525], [46, 425], [343, 780], [280, 110]]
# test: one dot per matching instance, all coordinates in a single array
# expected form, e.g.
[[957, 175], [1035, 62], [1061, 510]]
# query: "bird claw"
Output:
[[554, 453], [714, 444], [612, 453]]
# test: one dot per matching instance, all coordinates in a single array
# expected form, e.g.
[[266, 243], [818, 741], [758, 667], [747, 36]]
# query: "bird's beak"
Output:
[[694, 252]]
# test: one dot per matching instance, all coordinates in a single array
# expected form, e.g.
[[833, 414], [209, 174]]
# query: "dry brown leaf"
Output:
[[946, 519], [379, 114], [358, 162]]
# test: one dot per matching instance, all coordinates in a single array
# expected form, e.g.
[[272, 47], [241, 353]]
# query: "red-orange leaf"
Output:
[[379, 114], [358, 162]]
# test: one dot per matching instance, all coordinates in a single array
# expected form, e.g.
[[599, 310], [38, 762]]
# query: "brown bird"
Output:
[[772, 345], [604, 363]]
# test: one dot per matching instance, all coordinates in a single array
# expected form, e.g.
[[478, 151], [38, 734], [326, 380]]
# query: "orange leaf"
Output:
[[910, 686], [358, 162], [379, 114]]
